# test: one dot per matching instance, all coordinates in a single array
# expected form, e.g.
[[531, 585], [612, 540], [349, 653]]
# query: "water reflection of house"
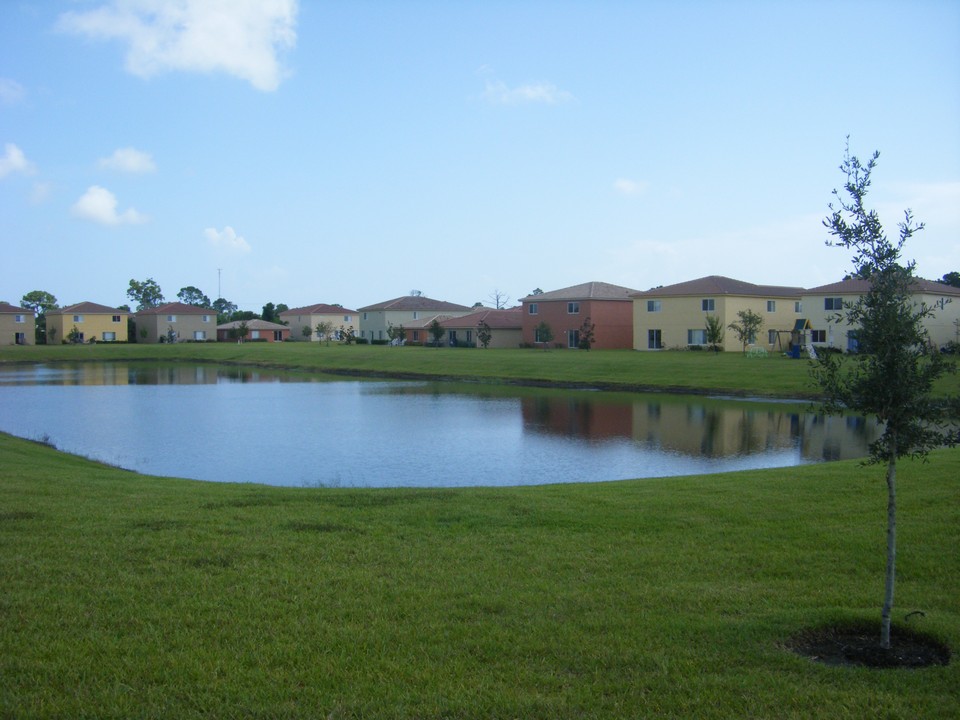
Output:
[[578, 417]]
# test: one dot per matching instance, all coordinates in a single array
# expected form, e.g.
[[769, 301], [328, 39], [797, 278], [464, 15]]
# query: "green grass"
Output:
[[129, 596], [724, 373]]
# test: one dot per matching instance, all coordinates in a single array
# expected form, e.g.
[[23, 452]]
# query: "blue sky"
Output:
[[350, 152]]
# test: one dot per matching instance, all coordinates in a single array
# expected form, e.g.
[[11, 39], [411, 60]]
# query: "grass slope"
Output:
[[130, 596]]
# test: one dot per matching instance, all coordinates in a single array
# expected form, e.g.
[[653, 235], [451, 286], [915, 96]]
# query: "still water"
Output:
[[239, 425]]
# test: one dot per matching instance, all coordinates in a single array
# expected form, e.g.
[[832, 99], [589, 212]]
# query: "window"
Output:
[[199, 334], [115, 318], [833, 303], [18, 318], [654, 339], [416, 336], [533, 308], [364, 316], [469, 337], [205, 318], [818, 336], [20, 338], [707, 305], [771, 305], [254, 334], [536, 335], [109, 337], [797, 306], [771, 337], [171, 318], [697, 337], [416, 315], [573, 308], [573, 338], [78, 318], [346, 318], [653, 306]]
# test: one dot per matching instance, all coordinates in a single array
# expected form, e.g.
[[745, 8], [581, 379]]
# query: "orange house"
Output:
[[609, 308]]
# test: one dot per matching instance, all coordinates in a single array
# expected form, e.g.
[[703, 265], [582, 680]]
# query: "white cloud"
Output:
[[498, 93], [100, 205], [13, 160], [239, 37], [630, 187], [40, 193], [11, 92], [227, 240], [129, 160]]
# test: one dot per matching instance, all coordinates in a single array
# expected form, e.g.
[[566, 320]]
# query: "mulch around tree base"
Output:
[[860, 645]]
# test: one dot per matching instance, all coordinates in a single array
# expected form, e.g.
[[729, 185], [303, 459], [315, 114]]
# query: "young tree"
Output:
[[543, 334], [714, 332], [396, 333], [587, 335], [324, 330], [436, 331], [892, 374], [306, 332], [146, 294], [746, 330], [484, 334], [40, 302], [242, 330], [193, 296]]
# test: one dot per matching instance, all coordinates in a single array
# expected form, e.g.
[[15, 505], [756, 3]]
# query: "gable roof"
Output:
[[585, 291], [857, 286], [319, 309], [507, 319], [8, 308], [720, 285], [177, 308], [414, 302], [88, 308]]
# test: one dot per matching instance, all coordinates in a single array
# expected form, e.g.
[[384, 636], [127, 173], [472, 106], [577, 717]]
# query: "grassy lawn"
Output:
[[724, 373], [130, 596]]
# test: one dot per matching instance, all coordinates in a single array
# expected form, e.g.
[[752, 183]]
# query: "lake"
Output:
[[239, 425]]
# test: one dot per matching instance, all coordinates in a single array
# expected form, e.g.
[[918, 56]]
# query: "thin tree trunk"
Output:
[[891, 546]]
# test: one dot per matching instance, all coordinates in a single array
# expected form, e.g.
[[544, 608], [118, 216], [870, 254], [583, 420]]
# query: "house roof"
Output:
[[720, 285], [507, 319], [89, 308], [253, 325], [177, 308], [319, 309], [857, 286], [585, 291], [8, 308], [414, 302]]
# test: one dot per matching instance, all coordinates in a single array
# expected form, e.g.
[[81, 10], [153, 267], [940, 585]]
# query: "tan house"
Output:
[[86, 322], [505, 327], [312, 315], [675, 316], [257, 330], [609, 308], [408, 311], [17, 325], [823, 308], [176, 322]]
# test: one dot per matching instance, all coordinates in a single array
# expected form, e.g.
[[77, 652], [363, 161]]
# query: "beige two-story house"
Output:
[[409, 310], [312, 315], [176, 322], [674, 316]]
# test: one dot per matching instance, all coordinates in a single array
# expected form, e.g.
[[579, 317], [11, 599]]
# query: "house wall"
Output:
[[185, 325], [297, 323], [93, 325], [612, 320], [14, 323], [677, 315], [376, 323]]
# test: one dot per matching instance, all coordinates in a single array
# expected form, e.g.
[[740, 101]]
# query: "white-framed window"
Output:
[[18, 319], [797, 306], [109, 337], [573, 308], [654, 339], [818, 336], [346, 318], [199, 334], [771, 305], [573, 338], [771, 337], [78, 318], [205, 318], [707, 305], [364, 316], [416, 336], [416, 315], [533, 309], [115, 318], [697, 337], [254, 334], [654, 306], [171, 318], [833, 303]]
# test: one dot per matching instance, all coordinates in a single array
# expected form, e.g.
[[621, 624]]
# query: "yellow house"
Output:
[[17, 325], [91, 322], [312, 315], [824, 305], [675, 316]]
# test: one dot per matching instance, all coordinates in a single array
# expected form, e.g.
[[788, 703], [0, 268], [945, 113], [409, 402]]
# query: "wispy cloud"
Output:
[[227, 239], [11, 92], [99, 205], [129, 160], [630, 187], [13, 160], [240, 37], [499, 93]]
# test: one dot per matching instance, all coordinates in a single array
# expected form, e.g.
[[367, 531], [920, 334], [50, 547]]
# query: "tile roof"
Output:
[[86, 307], [414, 302], [8, 308], [319, 309], [507, 319], [856, 286], [253, 325], [585, 291], [177, 308], [720, 285]]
